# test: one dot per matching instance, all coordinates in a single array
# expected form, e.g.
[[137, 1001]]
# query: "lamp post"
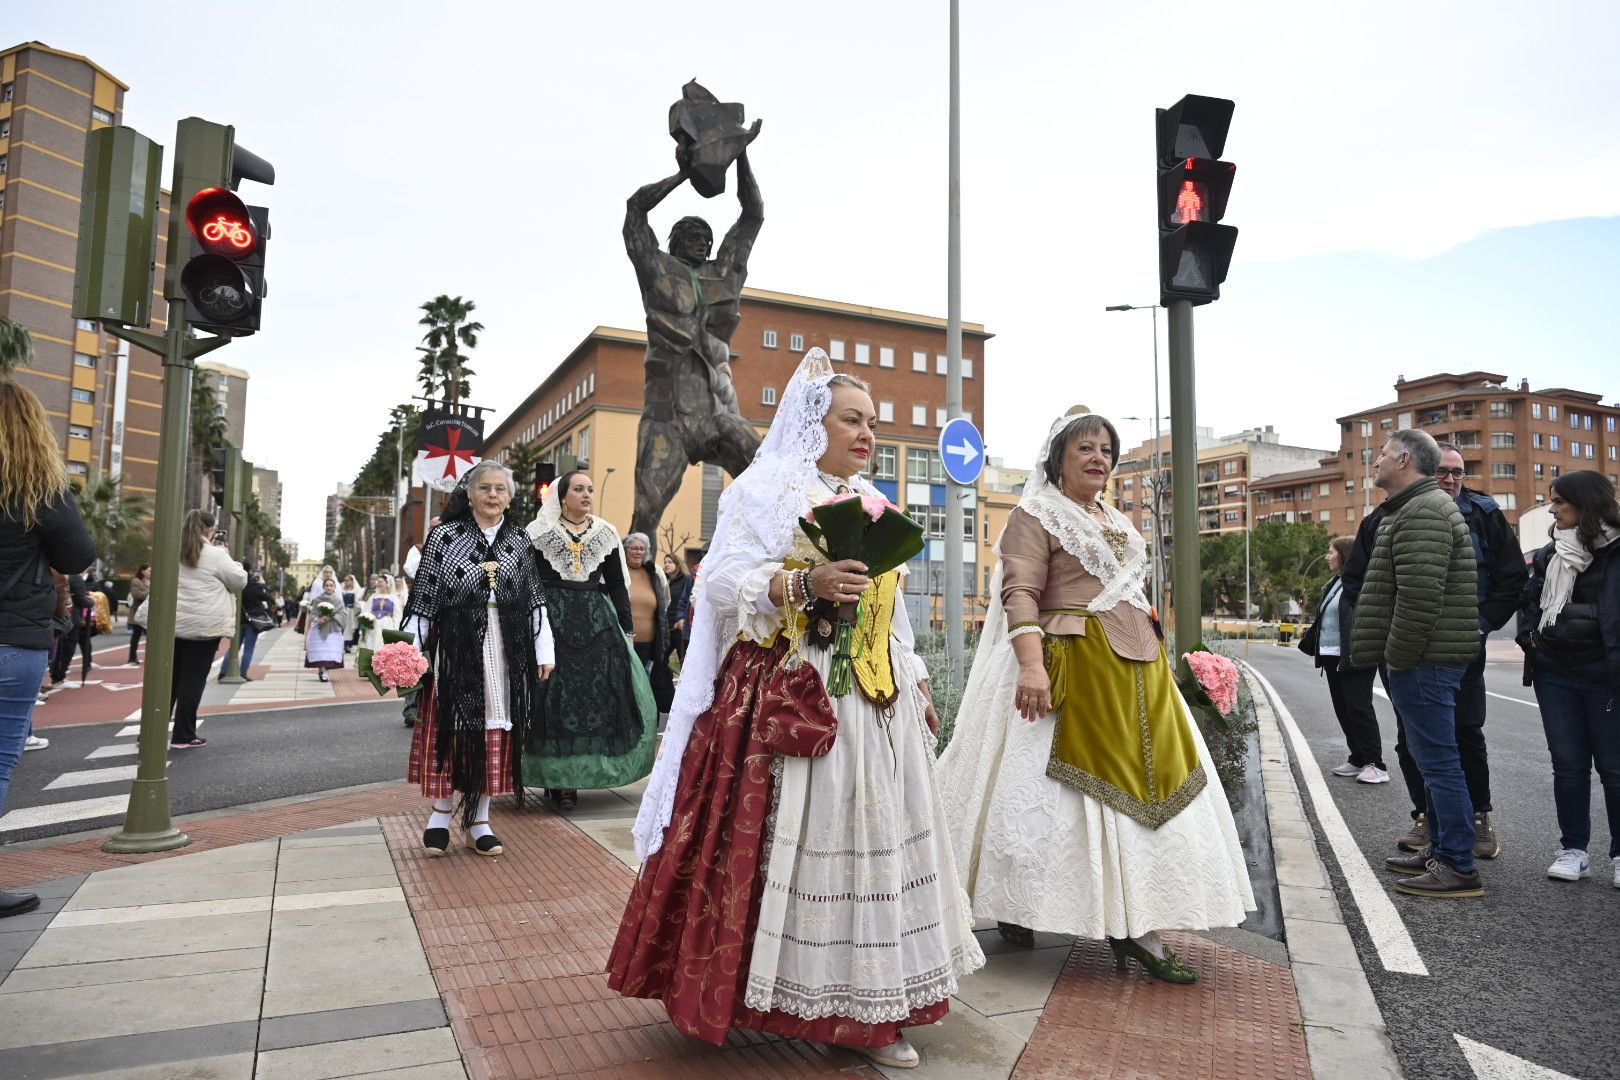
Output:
[[1158, 459]]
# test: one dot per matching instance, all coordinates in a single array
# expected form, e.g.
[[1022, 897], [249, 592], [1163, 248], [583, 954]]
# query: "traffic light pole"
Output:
[[147, 824], [1185, 572], [954, 492]]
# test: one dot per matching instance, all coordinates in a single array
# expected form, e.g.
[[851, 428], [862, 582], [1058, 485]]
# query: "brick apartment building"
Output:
[[102, 396], [1514, 442], [588, 408]]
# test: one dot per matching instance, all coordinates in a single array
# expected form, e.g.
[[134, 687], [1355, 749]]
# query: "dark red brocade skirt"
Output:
[[423, 766], [688, 930]]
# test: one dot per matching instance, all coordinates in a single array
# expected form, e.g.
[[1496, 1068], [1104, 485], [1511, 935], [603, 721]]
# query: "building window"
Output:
[[923, 466], [1552, 412], [885, 412], [1323, 515], [78, 431], [1537, 440], [835, 348], [1574, 449], [7, 90], [1325, 491], [1230, 468], [1535, 410], [886, 356], [767, 396], [101, 114], [1586, 421], [83, 359], [1501, 440], [1614, 452], [1231, 516], [939, 418], [1554, 443], [1591, 451], [1608, 424], [585, 446], [1504, 470], [919, 361], [919, 416], [1501, 410], [863, 353], [970, 517], [1386, 424], [1540, 470], [886, 463], [714, 482], [3, 164], [86, 396], [967, 367], [78, 468], [1304, 494], [796, 342], [85, 324], [1557, 472], [1507, 500], [5, 128], [770, 339], [1575, 420], [942, 363]]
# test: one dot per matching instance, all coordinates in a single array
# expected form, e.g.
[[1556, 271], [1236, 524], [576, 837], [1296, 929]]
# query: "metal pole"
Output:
[[1158, 470], [399, 501], [953, 372], [1248, 599], [147, 824], [1184, 479]]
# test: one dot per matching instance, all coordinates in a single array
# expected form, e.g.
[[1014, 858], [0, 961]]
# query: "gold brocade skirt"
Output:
[[1122, 734]]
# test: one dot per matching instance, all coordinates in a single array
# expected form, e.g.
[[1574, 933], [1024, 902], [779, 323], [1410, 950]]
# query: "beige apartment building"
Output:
[[1514, 441], [102, 396], [588, 408]]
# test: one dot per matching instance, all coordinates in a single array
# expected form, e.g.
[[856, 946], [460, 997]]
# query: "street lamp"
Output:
[[1158, 451]]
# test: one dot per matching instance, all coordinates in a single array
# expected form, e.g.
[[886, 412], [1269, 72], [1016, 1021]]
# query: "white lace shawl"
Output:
[[1082, 535], [759, 515], [547, 536]]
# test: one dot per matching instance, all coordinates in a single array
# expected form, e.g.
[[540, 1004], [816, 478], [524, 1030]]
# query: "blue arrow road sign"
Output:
[[961, 448]]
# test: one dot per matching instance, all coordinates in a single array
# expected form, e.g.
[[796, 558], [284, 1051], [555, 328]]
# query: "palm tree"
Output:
[[521, 458], [17, 346], [109, 513], [449, 330], [208, 431]]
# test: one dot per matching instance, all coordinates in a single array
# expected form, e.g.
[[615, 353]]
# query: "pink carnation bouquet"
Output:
[[1217, 677], [398, 666]]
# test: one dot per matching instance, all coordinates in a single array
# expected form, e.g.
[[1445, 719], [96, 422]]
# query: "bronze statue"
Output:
[[693, 305]]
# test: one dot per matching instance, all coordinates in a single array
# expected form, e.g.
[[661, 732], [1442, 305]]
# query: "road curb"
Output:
[[1344, 1027]]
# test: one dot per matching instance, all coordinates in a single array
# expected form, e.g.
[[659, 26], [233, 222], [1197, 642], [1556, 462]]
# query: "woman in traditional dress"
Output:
[[353, 597], [598, 727], [808, 896], [1076, 783], [383, 609], [478, 612], [326, 631]]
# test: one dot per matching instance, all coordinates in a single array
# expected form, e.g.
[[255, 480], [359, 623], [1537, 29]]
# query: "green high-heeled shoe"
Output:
[[1169, 969]]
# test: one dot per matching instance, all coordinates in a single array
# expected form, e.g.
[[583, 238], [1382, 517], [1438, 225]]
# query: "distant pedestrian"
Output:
[[256, 619], [204, 612], [82, 610], [1419, 615], [140, 587], [1569, 628], [680, 602], [383, 609], [326, 631], [352, 594], [41, 529], [1349, 687]]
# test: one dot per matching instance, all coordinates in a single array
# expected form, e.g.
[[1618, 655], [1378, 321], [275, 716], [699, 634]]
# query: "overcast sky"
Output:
[[1420, 187]]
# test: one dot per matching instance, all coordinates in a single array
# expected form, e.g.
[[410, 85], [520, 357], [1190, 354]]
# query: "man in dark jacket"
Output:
[[1419, 614]]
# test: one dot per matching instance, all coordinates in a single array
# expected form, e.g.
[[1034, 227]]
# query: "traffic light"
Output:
[[1194, 251], [216, 476], [118, 214], [223, 281], [545, 474]]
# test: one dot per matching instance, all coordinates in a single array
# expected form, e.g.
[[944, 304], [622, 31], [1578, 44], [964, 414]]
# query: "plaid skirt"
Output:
[[424, 768]]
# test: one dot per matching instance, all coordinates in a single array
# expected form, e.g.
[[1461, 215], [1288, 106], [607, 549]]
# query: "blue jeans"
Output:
[[20, 673], [1582, 722], [1426, 697], [250, 638]]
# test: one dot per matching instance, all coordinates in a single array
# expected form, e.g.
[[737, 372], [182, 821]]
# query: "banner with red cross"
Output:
[[450, 446]]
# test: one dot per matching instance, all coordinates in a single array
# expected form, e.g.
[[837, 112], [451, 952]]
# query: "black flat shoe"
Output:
[[17, 903], [488, 844], [435, 842]]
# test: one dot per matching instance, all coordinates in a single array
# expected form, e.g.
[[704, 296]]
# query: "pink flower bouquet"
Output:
[[1218, 676], [398, 666]]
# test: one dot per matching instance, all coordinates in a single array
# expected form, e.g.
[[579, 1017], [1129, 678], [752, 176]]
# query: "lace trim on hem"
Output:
[[899, 1003], [1151, 815]]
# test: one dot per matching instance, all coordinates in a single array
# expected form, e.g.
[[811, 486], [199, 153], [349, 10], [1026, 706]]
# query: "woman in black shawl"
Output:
[[478, 610]]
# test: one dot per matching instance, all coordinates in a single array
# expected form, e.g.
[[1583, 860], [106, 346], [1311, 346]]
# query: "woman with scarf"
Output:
[[598, 727], [798, 878], [478, 613], [1569, 628], [1076, 783], [382, 607], [325, 633]]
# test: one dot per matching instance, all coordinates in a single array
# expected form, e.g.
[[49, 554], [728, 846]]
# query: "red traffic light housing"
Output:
[[223, 281], [221, 224], [1193, 188], [545, 474]]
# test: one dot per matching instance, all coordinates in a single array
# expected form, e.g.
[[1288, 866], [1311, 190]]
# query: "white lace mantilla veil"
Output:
[[758, 523], [596, 539], [974, 753]]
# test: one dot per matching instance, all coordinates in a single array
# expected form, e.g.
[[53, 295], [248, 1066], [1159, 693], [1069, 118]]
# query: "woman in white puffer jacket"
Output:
[[205, 612]]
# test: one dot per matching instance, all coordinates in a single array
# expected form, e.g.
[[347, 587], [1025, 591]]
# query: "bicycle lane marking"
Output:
[[1385, 928]]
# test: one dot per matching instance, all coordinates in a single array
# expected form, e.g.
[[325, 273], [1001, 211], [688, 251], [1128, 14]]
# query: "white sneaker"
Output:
[[1571, 865], [1347, 769], [1372, 774], [35, 742], [897, 1055], [1617, 873]]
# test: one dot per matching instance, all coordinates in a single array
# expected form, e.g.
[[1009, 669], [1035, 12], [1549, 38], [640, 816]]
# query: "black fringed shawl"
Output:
[[452, 591]]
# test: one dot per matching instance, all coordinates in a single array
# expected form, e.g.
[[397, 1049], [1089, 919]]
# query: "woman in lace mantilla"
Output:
[[478, 613], [598, 727], [1076, 781], [807, 896]]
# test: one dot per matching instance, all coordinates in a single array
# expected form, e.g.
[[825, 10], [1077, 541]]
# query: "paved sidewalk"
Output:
[[315, 939]]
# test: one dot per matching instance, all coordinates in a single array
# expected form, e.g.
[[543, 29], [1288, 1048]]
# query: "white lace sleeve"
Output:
[[545, 648]]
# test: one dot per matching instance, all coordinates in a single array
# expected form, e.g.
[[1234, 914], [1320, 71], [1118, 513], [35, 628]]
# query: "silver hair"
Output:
[[486, 465], [1421, 445], [633, 537]]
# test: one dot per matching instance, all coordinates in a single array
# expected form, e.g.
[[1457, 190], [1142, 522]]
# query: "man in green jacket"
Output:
[[1418, 614]]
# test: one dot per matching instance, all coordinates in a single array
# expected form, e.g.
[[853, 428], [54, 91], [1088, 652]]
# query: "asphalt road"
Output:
[[250, 757], [1531, 968]]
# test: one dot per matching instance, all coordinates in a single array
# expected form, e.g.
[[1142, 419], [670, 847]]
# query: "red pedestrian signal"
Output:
[[545, 474], [221, 223], [1194, 251], [224, 279]]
